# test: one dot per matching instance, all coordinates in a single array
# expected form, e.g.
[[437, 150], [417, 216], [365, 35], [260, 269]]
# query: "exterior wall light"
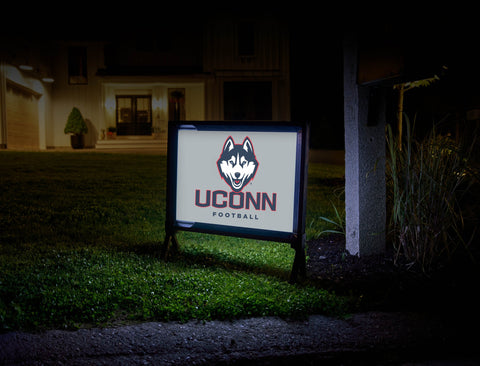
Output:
[[25, 67]]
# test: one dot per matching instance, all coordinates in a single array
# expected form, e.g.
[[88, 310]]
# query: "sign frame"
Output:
[[296, 236]]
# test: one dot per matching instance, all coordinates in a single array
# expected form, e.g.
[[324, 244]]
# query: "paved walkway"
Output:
[[372, 338]]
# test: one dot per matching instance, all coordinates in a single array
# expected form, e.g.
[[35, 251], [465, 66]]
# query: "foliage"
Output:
[[338, 222], [416, 84], [325, 199], [75, 123], [402, 88], [80, 243], [426, 180]]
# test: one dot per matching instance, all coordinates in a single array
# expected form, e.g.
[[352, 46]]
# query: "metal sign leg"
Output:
[[170, 237], [299, 267]]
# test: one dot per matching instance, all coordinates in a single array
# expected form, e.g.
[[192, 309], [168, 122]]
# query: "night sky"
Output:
[[429, 38]]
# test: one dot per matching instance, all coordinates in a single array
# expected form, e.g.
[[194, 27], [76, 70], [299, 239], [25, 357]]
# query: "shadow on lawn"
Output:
[[212, 260], [155, 249], [373, 282]]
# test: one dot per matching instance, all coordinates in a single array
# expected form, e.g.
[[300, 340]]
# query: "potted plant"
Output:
[[112, 133], [77, 127]]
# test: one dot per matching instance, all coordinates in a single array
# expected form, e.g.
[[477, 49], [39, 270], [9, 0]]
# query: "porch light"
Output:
[[48, 79], [157, 103], [25, 67], [110, 103]]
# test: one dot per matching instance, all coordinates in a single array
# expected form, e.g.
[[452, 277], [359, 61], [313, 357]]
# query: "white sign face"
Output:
[[237, 178]]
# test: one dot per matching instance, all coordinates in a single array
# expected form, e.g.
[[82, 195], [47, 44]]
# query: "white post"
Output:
[[365, 195]]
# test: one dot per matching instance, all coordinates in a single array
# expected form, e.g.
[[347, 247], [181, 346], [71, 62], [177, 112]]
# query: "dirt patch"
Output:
[[380, 284]]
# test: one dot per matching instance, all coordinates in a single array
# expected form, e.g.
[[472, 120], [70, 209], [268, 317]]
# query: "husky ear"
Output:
[[247, 145], [229, 144]]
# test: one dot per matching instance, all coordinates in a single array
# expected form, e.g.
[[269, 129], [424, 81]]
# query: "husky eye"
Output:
[[232, 162], [243, 162]]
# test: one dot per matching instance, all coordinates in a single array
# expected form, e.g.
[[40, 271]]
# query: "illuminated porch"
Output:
[[133, 143]]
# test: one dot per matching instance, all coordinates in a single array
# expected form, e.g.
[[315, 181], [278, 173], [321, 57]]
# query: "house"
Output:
[[134, 81]]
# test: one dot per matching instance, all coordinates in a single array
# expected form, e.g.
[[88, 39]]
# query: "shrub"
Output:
[[426, 180], [75, 123]]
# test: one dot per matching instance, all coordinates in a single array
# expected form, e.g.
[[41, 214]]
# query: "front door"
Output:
[[134, 115]]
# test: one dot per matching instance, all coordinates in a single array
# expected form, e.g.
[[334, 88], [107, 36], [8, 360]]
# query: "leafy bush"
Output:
[[426, 180], [75, 123]]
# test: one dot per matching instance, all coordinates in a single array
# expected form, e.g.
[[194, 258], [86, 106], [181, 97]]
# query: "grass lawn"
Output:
[[80, 235]]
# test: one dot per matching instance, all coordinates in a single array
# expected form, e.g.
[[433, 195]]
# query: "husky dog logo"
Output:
[[237, 164]]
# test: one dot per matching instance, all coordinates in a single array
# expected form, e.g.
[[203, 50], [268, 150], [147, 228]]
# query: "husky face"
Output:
[[237, 164]]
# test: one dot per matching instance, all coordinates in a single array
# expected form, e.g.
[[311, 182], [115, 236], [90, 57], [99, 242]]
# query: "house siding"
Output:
[[86, 97], [202, 70]]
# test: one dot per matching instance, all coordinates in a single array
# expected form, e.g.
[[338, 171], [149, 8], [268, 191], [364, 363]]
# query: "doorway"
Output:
[[134, 115]]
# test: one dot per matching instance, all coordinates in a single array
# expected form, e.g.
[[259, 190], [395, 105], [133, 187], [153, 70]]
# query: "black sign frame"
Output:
[[296, 237]]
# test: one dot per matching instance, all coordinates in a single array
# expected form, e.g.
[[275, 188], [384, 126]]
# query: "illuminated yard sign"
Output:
[[243, 179]]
